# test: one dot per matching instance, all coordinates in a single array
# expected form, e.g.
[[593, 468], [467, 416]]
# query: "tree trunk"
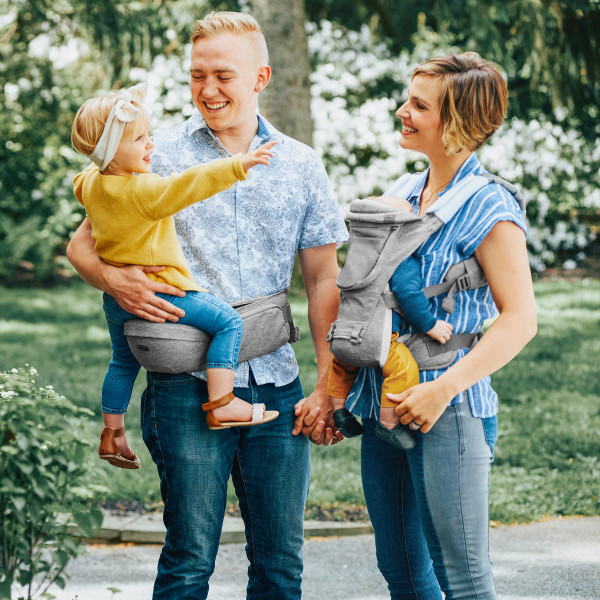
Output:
[[286, 100]]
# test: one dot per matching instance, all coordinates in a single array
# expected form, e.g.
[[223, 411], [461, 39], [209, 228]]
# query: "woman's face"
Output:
[[421, 121]]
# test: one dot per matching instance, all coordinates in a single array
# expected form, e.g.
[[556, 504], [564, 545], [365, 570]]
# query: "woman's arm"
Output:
[[503, 257], [129, 285]]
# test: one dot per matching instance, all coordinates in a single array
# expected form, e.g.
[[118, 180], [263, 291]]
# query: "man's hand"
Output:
[[314, 420], [136, 293]]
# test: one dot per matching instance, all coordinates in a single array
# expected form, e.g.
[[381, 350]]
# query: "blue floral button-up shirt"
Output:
[[241, 243]]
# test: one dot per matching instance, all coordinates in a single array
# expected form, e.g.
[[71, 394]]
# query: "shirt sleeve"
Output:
[[407, 286], [80, 179], [323, 222], [160, 197], [492, 204]]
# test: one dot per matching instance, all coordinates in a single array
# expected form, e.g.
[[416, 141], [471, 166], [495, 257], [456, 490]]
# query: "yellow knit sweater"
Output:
[[132, 217]]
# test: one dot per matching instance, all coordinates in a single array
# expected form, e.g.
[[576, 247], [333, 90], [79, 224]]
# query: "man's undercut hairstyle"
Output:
[[473, 98], [90, 120], [238, 23]]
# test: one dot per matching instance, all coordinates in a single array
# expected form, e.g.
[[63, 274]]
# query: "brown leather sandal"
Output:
[[259, 414], [110, 452]]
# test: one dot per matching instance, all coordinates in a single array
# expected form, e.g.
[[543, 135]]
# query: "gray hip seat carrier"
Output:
[[176, 348], [381, 237]]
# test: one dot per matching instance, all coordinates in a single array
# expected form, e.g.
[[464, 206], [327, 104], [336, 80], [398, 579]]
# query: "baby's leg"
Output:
[[116, 390], [339, 384]]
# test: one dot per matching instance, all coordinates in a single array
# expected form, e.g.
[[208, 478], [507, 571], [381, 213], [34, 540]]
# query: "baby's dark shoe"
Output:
[[346, 423], [400, 436]]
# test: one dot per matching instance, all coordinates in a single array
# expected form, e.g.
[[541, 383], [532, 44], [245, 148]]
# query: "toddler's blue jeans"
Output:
[[202, 311]]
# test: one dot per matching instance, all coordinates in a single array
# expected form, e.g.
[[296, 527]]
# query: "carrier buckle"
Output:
[[463, 283]]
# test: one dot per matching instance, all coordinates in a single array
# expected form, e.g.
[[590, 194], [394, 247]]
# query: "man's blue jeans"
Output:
[[431, 504], [270, 471], [202, 310]]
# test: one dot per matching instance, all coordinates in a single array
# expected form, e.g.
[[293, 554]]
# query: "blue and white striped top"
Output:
[[455, 241]]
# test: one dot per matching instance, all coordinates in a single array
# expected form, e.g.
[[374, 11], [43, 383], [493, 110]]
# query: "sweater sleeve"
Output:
[[160, 197], [80, 179], [407, 285]]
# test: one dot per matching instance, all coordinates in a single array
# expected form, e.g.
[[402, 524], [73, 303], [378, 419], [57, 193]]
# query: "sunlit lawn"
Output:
[[548, 451]]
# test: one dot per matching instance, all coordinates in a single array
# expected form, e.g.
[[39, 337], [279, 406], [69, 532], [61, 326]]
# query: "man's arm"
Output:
[[128, 285], [320, 271]]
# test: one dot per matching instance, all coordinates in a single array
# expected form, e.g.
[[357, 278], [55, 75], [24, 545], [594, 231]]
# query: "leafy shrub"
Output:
[[357, 86], [46, 484]]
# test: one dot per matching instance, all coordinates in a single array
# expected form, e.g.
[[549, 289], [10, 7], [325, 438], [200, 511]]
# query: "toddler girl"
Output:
[[131, 214]]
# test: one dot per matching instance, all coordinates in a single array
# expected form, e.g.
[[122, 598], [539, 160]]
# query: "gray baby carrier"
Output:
[[177, 348], [381, 237]]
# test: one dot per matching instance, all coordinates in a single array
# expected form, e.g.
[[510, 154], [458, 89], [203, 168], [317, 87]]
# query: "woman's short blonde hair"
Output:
[[239, 23], [91, 118], [473, 98]]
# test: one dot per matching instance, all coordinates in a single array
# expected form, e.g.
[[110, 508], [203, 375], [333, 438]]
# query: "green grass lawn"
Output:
[[548, 450]]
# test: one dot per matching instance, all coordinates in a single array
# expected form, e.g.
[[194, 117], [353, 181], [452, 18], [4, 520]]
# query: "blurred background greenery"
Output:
[[360, 54], [548, 452], [54, 55]]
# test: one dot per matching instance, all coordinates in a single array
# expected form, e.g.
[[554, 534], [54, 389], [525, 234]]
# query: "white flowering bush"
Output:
[[47, 485], [357, 85]]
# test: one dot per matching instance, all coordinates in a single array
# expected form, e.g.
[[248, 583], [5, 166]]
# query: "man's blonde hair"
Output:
[[90, 120], [473, 98], [238, 23]]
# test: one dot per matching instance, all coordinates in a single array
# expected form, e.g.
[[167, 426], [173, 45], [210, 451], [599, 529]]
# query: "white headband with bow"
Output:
[[122, 112]]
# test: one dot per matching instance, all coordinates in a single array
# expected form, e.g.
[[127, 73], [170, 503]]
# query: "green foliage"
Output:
[[46, 484], [556, 168], [549, 422], [548, 48], [53, 56]]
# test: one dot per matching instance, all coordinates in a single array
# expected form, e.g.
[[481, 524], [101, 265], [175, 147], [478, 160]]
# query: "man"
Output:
[[240, 244]]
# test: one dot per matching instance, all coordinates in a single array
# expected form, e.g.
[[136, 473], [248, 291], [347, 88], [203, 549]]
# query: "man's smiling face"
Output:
[[226, 76]]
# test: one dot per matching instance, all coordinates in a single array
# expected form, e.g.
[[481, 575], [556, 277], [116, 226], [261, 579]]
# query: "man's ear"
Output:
[[262, 81]]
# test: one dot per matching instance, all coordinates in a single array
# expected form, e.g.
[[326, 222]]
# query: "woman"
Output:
[[429, 505]]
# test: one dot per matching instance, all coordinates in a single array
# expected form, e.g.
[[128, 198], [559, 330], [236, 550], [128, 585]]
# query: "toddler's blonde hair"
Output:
[[90, 120]]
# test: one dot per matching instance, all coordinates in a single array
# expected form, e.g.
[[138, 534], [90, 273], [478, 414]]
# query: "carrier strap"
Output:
[[456, 341], [465, 275]]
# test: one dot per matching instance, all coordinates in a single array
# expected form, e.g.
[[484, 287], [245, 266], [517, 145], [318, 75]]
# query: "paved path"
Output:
[[552, 560]]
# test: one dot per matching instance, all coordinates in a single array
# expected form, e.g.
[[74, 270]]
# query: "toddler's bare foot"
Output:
[[236, 410]]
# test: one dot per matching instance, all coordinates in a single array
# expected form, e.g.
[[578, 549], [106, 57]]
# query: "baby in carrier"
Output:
[[400, 370]]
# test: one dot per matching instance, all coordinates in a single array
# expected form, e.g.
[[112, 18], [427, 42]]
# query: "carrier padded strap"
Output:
[[513, 189], [456, 341], [465, 275]]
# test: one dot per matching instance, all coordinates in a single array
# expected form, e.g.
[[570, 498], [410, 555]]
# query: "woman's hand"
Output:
[[424, 404]]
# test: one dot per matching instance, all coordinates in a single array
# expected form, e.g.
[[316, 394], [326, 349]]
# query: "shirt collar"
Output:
[[266, 131], [471, 165]]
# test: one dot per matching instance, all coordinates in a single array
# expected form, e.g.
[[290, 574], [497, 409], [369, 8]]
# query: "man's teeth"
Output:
[[215, 106]]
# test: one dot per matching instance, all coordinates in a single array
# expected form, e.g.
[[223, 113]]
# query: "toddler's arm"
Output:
[[441, 331], [161, 197]]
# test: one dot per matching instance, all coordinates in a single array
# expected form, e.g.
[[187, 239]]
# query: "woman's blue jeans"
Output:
[[202, 311], [270, 472], [429, 508]]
